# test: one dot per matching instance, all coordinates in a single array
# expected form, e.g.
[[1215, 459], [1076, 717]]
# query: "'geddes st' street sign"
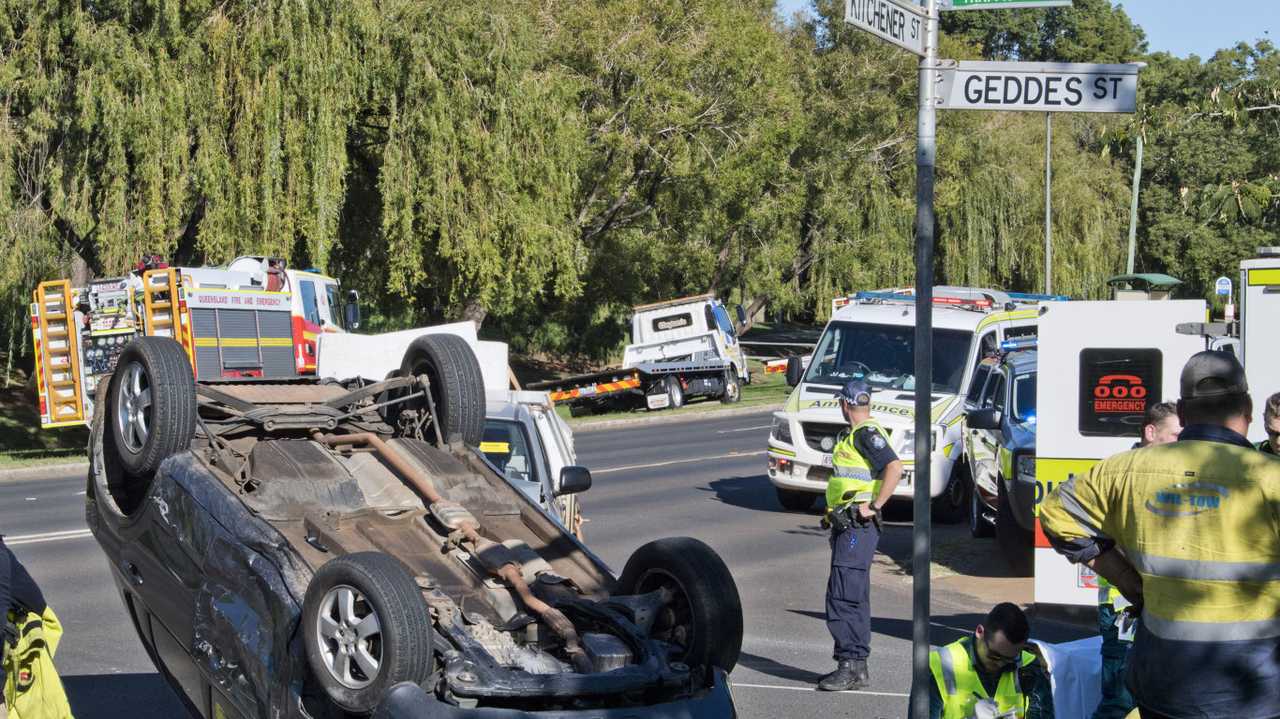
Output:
[[1037, 86]]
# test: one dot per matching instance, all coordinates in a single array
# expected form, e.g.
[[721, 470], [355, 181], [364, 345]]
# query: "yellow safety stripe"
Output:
[[1006, 317], [1264, 277], [783, 452], [244, 342]]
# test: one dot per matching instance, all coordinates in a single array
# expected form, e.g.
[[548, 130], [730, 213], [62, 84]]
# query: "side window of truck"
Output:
[[987, 345], [994, 388], [998, 397], [980, 376], [310, 308]]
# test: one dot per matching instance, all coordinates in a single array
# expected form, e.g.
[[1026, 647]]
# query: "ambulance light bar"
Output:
[[1028, 297], [1021, 343], [968, 302]]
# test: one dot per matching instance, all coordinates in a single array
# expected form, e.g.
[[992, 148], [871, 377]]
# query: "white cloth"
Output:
[[1075, 675]]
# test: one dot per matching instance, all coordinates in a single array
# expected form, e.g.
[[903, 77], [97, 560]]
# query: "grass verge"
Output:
[[24, 444]]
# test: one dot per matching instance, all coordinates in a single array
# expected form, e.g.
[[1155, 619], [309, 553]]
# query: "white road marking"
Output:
[[31, 499], [815, 689], [677, 461], [744, 429], [80, 493], [14, 540]]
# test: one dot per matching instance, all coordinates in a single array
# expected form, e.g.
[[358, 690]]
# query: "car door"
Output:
[[508, 447], [986, 442], [972, 401]]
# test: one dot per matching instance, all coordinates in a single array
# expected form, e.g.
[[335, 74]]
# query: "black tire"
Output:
[[979, 527], [705, 619], [952, 506], [581, 410], [675, 392], [1016, 544], [457, 387], [794, 500], [151, 404], [399, 650], [732, 387]]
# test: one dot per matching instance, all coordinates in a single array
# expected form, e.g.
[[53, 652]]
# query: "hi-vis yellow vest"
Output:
[[32, 689], [851, 481], [960, 687]]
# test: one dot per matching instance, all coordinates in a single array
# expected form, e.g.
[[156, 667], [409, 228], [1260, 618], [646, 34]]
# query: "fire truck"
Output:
[[254, 318]]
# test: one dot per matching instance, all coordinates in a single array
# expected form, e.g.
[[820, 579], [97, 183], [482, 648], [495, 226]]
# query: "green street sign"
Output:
[[1000, 4]]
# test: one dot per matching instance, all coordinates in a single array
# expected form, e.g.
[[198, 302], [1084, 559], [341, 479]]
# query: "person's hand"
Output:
[[866, 511]]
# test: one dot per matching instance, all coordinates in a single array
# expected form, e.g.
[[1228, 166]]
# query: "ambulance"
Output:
[[871, 335], [1110, 360]]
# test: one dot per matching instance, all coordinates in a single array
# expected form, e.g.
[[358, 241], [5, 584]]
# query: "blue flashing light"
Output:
[[1021, 343], [1028, 297]]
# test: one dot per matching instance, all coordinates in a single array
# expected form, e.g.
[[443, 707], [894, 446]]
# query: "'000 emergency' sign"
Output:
[[1038, 86]]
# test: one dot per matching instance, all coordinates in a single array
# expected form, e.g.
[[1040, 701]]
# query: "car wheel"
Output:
[[794, 500], [151, 404], [578, 409], [457, 387], [952, 505], [979, 527], [1016, 543], [675, 392], [732, 387], [703, 620], [366, 629]]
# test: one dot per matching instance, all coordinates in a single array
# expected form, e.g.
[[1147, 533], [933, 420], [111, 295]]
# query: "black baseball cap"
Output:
[[1213, 374], [856, 392]]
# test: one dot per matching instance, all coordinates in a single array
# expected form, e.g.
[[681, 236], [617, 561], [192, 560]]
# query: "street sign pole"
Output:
[[926, 155], [1133, 205], [1048, 205]]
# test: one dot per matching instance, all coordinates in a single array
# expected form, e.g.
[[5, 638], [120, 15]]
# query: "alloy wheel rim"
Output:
[[133, 407], [349, 635]]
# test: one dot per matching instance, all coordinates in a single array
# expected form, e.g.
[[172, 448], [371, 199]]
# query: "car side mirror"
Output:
[[742, 315], [984, 419], [794, 371], [573, 480], [351, 313]]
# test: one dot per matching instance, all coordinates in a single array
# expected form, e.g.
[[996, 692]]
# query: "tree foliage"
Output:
[[541, 165]]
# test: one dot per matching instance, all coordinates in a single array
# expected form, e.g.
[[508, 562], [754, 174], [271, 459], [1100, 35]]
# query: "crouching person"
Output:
[[989, 674]]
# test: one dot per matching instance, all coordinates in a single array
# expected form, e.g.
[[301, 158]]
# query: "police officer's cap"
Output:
[[856, 392], [1213, 374]]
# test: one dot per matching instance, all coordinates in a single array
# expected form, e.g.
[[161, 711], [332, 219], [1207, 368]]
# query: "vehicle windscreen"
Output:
[[883, 355], [1024, 397]]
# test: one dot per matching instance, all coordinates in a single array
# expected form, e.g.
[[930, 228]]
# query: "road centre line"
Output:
[[743, 429], [677, 461], [18, 539], [815, 689]]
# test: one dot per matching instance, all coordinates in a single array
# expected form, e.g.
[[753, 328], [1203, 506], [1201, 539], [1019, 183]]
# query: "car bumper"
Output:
[[804, 471], [409, 701]]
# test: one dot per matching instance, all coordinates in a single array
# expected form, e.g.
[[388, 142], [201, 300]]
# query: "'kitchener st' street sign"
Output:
[[1037, 86], [902, 25], [1000, 4]]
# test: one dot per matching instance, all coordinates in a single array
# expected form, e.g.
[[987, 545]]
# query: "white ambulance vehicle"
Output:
[[871, 335]]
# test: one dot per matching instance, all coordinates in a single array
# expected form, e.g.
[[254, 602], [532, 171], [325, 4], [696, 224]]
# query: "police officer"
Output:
[[1186, 531], [1271, 423], [19, 595], [990, 666], [865, 472]]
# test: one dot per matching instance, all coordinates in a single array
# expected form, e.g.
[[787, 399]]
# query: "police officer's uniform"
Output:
[[858, 462], [959, 684]]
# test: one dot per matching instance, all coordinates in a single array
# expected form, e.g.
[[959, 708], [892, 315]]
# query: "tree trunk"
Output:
[[80, 273], [474, 310]]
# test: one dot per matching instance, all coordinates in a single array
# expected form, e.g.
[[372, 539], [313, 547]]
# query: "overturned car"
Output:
[[334, 549]]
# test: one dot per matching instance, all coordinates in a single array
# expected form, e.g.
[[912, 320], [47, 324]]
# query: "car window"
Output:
[[980, 376], [722, 319], [1024, 397], [851, 350], [997, 396], [506, 446], [995, 386], [310, 308], [335, 304], [987, 345]]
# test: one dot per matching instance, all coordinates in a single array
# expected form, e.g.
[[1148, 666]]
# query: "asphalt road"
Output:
[[703, 479]]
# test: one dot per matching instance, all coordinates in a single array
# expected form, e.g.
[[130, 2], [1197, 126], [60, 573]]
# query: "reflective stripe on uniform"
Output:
[[948, 671], [1186, 631], [1071, 505], [852, 481], [1203, 569]]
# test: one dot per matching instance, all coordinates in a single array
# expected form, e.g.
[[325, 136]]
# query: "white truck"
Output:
[[872, 335], [679, 349]]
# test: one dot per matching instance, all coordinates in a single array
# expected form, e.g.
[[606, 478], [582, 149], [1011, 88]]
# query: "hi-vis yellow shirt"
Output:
[[32, 689], [1200, 521]]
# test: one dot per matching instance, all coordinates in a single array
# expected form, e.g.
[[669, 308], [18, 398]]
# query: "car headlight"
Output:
[[907, 448], [1027, 465], [781, 430]]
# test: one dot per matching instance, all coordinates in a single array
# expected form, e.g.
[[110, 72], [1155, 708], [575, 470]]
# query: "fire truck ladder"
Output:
[[60, 358], [163, 308]]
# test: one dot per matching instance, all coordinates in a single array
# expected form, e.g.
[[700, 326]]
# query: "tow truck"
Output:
[[679, 349], [871, 335]]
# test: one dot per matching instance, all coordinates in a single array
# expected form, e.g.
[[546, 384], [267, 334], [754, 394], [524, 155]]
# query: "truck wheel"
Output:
[[952, 506], [581, 410], [457, 387], [979, 527], [675, 392], [732, 387], [1016, 543], [704, 618], [151, 404], [366, 629], [794, 501]]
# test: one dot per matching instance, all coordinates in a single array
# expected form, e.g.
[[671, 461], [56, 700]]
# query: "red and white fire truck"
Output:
[[255, 317]]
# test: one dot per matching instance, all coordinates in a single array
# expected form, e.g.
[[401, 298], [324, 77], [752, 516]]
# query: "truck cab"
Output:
[[693, 329], [871, 336]]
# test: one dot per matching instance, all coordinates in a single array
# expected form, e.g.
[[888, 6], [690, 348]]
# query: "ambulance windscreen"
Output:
[[884, 356]]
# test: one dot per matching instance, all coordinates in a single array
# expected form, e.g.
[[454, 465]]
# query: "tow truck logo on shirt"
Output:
[[1187, 499]]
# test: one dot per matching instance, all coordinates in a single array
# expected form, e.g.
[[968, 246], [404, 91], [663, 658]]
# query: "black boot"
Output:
[[849, 674]]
